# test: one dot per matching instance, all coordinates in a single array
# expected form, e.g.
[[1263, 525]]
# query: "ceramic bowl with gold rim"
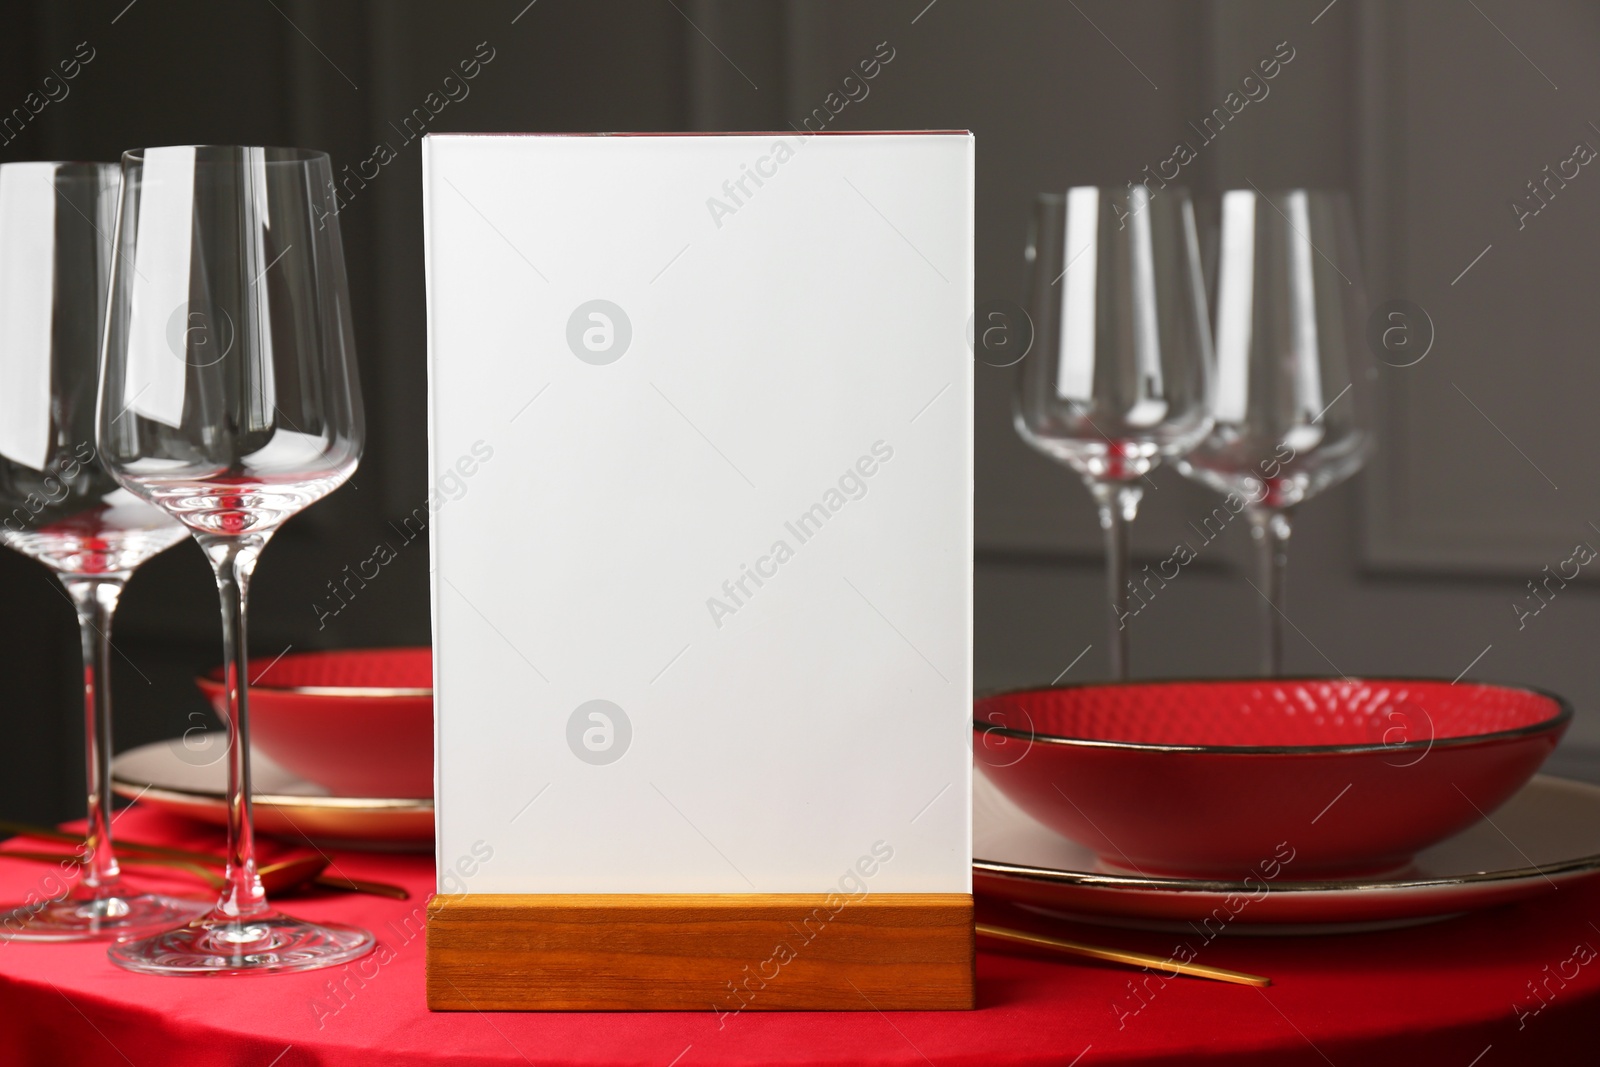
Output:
[[1326, 777], [358, 722]]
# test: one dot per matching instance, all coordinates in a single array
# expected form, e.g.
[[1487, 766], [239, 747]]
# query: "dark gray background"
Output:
[[1433, 115]]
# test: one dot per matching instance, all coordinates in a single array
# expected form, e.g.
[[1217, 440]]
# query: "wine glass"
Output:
[[59, 506], [228, 399], [1293, 408], [1119, 377]]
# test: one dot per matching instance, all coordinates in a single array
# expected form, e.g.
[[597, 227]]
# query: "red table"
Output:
[[1448, 993]]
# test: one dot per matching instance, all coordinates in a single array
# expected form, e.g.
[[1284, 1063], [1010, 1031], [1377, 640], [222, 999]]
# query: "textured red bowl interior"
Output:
[[357, 744], [1218, 778], [1271, 713]]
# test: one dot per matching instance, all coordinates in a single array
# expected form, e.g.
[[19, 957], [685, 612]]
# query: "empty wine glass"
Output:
[[59, 506], [228, 399], [1292, 407], [1119, 376]]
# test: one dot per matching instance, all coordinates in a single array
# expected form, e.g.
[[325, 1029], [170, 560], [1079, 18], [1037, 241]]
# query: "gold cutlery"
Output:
[[1118, 955], [275, 877], [319, 878]]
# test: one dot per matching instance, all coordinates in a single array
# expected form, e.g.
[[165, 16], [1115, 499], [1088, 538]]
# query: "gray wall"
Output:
[[1425, 111], [1434, 120]]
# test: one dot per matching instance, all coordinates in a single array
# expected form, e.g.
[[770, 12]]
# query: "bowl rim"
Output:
[[205, 680], [1563, 716]]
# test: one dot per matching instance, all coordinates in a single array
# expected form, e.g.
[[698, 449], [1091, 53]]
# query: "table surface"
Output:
[[1514, 985]]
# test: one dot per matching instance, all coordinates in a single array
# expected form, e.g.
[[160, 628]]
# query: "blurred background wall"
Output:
[[1434, 115]]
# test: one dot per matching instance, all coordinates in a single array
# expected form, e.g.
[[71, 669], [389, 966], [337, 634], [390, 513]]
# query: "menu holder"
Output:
[[701, 523]]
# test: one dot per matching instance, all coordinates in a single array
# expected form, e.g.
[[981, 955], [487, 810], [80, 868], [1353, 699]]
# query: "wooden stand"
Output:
[[699, 952]]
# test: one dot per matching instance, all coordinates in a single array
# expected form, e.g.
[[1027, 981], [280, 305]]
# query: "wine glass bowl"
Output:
[[112, 535], [1119, 375], [1293, 401], [229, 400], [1278, 470], [1119, 319], [234, 405]]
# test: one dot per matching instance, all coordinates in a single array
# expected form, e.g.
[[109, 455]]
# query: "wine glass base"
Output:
[[104, 919], [266, 944]]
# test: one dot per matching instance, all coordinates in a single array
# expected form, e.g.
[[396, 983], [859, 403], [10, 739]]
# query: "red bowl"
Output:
[[359, 722], [1324, 777]]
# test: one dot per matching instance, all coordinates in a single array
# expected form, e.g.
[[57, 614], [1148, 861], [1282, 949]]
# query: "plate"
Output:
[[1544, 837], [189, 776]]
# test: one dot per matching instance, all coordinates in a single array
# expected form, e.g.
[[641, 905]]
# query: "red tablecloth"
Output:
[[1448, 993]]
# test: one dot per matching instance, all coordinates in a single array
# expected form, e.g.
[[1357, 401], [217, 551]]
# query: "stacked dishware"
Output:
[[1265, 804]]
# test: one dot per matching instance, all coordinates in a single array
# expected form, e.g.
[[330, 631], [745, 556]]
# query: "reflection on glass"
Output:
[[59, 505]]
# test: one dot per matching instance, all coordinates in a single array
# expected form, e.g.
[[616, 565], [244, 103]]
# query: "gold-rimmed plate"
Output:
[[188, 776], [1542, 838]]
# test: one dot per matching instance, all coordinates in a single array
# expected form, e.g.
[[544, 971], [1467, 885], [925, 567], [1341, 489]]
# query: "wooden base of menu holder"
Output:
[[699, 952]]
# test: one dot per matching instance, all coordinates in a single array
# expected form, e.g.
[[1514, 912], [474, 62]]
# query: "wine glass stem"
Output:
[[1119, 503], [234, 560], [1271, 528], [96, 600]]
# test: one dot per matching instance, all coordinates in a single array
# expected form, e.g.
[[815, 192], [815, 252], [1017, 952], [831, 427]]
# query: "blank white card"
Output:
[[701, 446]]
